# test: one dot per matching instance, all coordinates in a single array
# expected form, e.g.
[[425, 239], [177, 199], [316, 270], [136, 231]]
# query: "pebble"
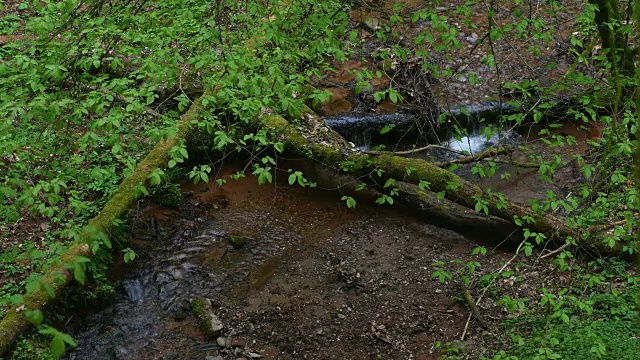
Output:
[[224, 342], [472, 39]]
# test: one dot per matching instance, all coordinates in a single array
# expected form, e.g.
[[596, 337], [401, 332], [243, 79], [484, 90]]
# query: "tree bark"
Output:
[[484, 229], [608, 19]]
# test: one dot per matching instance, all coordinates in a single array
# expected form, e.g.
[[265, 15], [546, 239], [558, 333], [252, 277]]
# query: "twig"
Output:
[[484, 291], [413, 151], [515, 163], [598, 228], [472, 158], [474, 307], [550, 253]]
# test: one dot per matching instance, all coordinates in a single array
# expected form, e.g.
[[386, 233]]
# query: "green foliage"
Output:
[[59, 340], [167, 194], [297, 177], [32, 350], [609, 332], [579, 322], [351, 202]]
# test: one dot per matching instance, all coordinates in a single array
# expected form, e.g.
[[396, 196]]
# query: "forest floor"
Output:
[[313, 280]]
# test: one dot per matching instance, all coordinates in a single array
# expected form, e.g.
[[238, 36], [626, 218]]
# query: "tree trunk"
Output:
[[484, 229], [620, 54]]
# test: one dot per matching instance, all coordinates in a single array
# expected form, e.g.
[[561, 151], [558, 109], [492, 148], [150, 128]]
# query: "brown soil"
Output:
[[320, 281]]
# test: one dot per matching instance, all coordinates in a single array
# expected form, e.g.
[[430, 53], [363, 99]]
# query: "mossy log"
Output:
[[447, 214], [311, 138], [15, 322]]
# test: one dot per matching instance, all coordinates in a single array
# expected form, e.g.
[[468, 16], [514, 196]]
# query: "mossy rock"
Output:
[[209, 323]]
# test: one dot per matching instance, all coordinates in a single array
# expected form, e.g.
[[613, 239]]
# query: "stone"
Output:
[[222, 341], [238, 343], [209, 323]]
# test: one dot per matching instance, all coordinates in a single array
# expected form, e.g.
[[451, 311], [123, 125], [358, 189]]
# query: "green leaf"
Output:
[[351, 202], [387, 128], [537, 116], [379, 96], [393, 96], [35, 316], [57, 346], [353, 36]]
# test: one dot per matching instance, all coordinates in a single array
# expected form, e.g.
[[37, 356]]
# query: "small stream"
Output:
[[477, 121], [153, 297]]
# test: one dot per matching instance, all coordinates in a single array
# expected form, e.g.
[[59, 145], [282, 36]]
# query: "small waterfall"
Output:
[[364, 131]]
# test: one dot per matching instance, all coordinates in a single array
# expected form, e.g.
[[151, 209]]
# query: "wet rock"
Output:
[[209, 323], [134, 290]]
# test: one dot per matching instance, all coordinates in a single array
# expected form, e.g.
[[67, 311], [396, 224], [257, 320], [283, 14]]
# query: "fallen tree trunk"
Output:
[[15, 322], [482, 228], [311, 138]]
